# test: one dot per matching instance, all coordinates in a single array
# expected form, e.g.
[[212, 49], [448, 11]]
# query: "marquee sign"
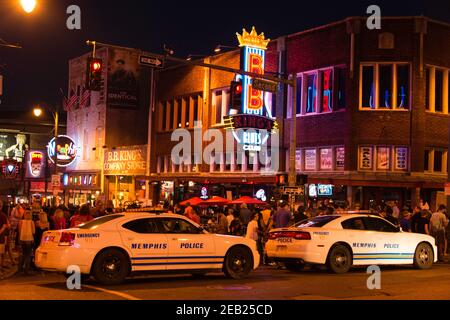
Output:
[[65, 149], [35, 164], [10, 169], [255, 117]]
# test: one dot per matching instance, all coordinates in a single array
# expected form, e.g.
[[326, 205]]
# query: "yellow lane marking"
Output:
[[116, 293]]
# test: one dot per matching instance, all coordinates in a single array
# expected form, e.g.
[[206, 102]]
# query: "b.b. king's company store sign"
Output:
[[126, 161]]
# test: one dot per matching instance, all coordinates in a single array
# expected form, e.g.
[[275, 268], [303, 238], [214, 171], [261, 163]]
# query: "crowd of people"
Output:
[[22, 227]]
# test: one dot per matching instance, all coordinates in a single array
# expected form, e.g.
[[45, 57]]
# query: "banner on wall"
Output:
[[326, 159], [383, 158], [401, 158], [340, 158], [123, 79], [13, 146], [310, 159], [366, 159]]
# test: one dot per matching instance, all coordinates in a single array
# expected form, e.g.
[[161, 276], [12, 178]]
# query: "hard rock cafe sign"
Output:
[[65, 150]]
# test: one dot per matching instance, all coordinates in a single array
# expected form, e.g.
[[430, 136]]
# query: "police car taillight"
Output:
[[67, 239], [298, 235]]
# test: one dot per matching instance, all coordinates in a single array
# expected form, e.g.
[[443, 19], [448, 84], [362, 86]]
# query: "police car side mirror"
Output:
[[399, 229]]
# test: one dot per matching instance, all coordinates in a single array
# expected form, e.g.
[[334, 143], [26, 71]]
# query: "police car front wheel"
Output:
[[424, 256], [111, 267], [238, 263]]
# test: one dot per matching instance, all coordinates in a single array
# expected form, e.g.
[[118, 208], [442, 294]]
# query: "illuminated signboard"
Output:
[[35, 164], [13, 146], [253, 124], [65, 149], [10, 169]]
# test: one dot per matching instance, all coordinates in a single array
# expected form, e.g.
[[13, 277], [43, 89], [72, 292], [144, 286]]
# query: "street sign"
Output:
[[294, 190], [151, 61], [56, 180], [264, 85]]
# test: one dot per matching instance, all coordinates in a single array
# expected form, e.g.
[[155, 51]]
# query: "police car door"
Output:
[[364, 242], [393, 248], [148, 246], [189, 247]]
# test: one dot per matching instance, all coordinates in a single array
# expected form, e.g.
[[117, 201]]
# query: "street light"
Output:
[[37, 111], [28, 5], [219, 48]]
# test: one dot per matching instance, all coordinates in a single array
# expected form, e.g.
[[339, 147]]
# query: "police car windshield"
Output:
[[94, 224], [316, 222]]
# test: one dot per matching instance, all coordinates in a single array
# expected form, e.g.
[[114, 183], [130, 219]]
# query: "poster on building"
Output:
[[126, 161], [298, 160], [35, 164], [383, 158], [401, 158], [326, 159], [340, 158], [310, 160], [13, 146], [123, 79], [366, 159]]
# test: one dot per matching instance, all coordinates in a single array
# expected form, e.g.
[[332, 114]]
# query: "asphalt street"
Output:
[[266, 283]]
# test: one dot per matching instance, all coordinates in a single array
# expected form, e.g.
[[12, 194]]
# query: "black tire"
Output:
[[111, 267], [339, 259], [424, 256], [238, 263], [294, 266]]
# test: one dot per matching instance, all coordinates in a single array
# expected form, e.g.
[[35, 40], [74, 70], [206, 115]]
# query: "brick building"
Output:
[[372, 112]]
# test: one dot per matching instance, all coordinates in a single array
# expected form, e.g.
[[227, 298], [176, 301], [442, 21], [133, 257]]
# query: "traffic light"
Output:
[[302, 179], [236, 95], [282, 179], [94, 74]]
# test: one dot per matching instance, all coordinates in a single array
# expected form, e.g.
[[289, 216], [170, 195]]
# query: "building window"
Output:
[[299, 95], [187, 103], [179, 113], [390, 81], [368, 89], [438, 90], [195, 107], [402, 86], [311, 93], [340, 99], [427, 89], [426, 160], [327, 91], [217, 107], [171, 115], [385, 86], [163, 116], [85, 145], [383, 158], [438, 161]]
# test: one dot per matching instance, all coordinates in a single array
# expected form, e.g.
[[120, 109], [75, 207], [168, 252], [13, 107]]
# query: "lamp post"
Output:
[[55, 113]]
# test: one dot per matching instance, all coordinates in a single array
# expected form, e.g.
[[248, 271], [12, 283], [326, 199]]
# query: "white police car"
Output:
[[342, 241], [116, 246]]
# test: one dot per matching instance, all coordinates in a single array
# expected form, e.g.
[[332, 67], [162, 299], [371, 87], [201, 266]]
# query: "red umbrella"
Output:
[[247, 200], [215, 201], [195, 201]]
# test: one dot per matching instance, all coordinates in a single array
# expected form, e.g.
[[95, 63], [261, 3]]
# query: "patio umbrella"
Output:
[[215, 201], [247, 200], [195, 201]]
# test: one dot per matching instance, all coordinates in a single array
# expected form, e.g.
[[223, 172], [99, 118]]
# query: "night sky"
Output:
[[36, 72]]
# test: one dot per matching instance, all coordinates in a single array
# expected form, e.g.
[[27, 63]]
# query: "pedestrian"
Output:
[[178, 210], [405, 222], [236, 226], [300, 215], [438, 223], [396, 211], [423, 223], [42, 225], [82, 217], [245, 214], [59, 220], [26, 236], [230, 217], [414, 218], [255, 232], [222, 224], [389, 216], [424, 205], [266, 214], [282, 217], [4, 226]]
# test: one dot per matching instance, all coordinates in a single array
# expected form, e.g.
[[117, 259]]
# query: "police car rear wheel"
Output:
[[111, 267], [238, 263], [339, 259], [424, 256]]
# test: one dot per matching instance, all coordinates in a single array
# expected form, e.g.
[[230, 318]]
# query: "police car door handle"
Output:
[[175, 239]]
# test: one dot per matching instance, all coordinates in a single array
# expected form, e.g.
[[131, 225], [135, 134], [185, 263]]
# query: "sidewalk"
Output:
[[7, 273]]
